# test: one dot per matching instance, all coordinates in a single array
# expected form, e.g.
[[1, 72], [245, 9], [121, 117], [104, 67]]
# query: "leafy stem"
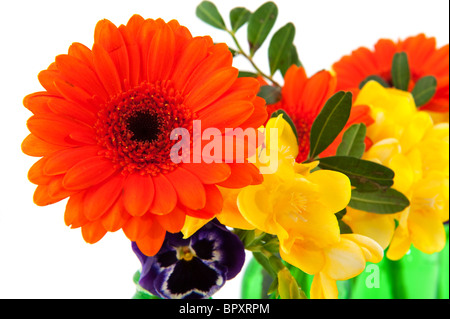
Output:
[[250, 59]]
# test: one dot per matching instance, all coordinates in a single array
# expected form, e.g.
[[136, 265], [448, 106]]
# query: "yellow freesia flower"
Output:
[[344, 260], [407, 141], [294, 203], [298, 204]]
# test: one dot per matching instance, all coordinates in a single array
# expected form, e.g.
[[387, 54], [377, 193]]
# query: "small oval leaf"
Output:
[[388, 201], [291, 59], [400, 71], [376, 78], [353, 141], [239, 17], [424, 90], [280, 47], [272, 94], [260, 24], [363, 174], [208, 13], [330, 122]]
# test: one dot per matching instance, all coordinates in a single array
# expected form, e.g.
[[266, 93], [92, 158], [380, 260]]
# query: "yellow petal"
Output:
[[390, 108], [334, 188], [344, 260], [192, 224], [383, 150], [255, 205], [309, 260], [427, 231], [373, 252], [287, 141], [323, 287], [230, 214], [400, 244], [404, 173], [379, 227], [419, 124]]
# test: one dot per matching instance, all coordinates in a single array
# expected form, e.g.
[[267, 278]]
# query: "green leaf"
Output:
[[280, 47], [330, 122], [400, 71], [376, 78], [344, 228], [365, 175], [291, 59], [353, 141], [208, 13], [239, 17], [424, 90], [233, 52], [247, 74], [339, 215], [287, 118], [260, 24], [388, 201], [264, 262], [272, 94]]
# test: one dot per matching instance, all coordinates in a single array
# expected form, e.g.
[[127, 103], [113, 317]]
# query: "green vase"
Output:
[[416, 276]]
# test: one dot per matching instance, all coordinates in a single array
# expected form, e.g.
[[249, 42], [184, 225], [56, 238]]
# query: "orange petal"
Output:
[[138, 226], [226, 115], [242, 175], [88, 172], [36, 173], [72, 110], [116, 217], [92, 232], [56, 190], [34, 146], [60, 162], [214, 204], [207, 92], [74, 215], [38, 102], [190, 58], [190, 190], [106, 70], [138, 193], [54, 129], [219, 57], [151, 243], [165, 198], [174, 221], [209, 173], [41, 196], [161, 55], [110, 38], [82, 53], [99, 199], [79, 74], [134, 59]]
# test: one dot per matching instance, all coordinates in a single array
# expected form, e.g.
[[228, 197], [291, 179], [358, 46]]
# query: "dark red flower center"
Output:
[[134, 127]]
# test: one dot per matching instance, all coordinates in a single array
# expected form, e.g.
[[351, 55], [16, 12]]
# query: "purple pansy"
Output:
[[193, 268]]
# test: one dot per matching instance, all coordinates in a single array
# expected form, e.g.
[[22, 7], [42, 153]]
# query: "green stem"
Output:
[[250, 59], [396, 279]]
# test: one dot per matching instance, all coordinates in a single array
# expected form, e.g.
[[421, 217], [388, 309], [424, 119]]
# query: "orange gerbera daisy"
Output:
[[103, 127], [423, 57], [303, 98]]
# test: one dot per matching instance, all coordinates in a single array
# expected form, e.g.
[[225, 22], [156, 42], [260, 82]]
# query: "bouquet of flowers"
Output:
[[153, 132]]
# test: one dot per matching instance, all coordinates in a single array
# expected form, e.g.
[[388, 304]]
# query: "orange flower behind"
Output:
[[303, 98], [102, 129], [423, 57]]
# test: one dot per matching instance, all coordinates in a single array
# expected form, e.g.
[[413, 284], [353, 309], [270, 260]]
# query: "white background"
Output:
[[42, 258]]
